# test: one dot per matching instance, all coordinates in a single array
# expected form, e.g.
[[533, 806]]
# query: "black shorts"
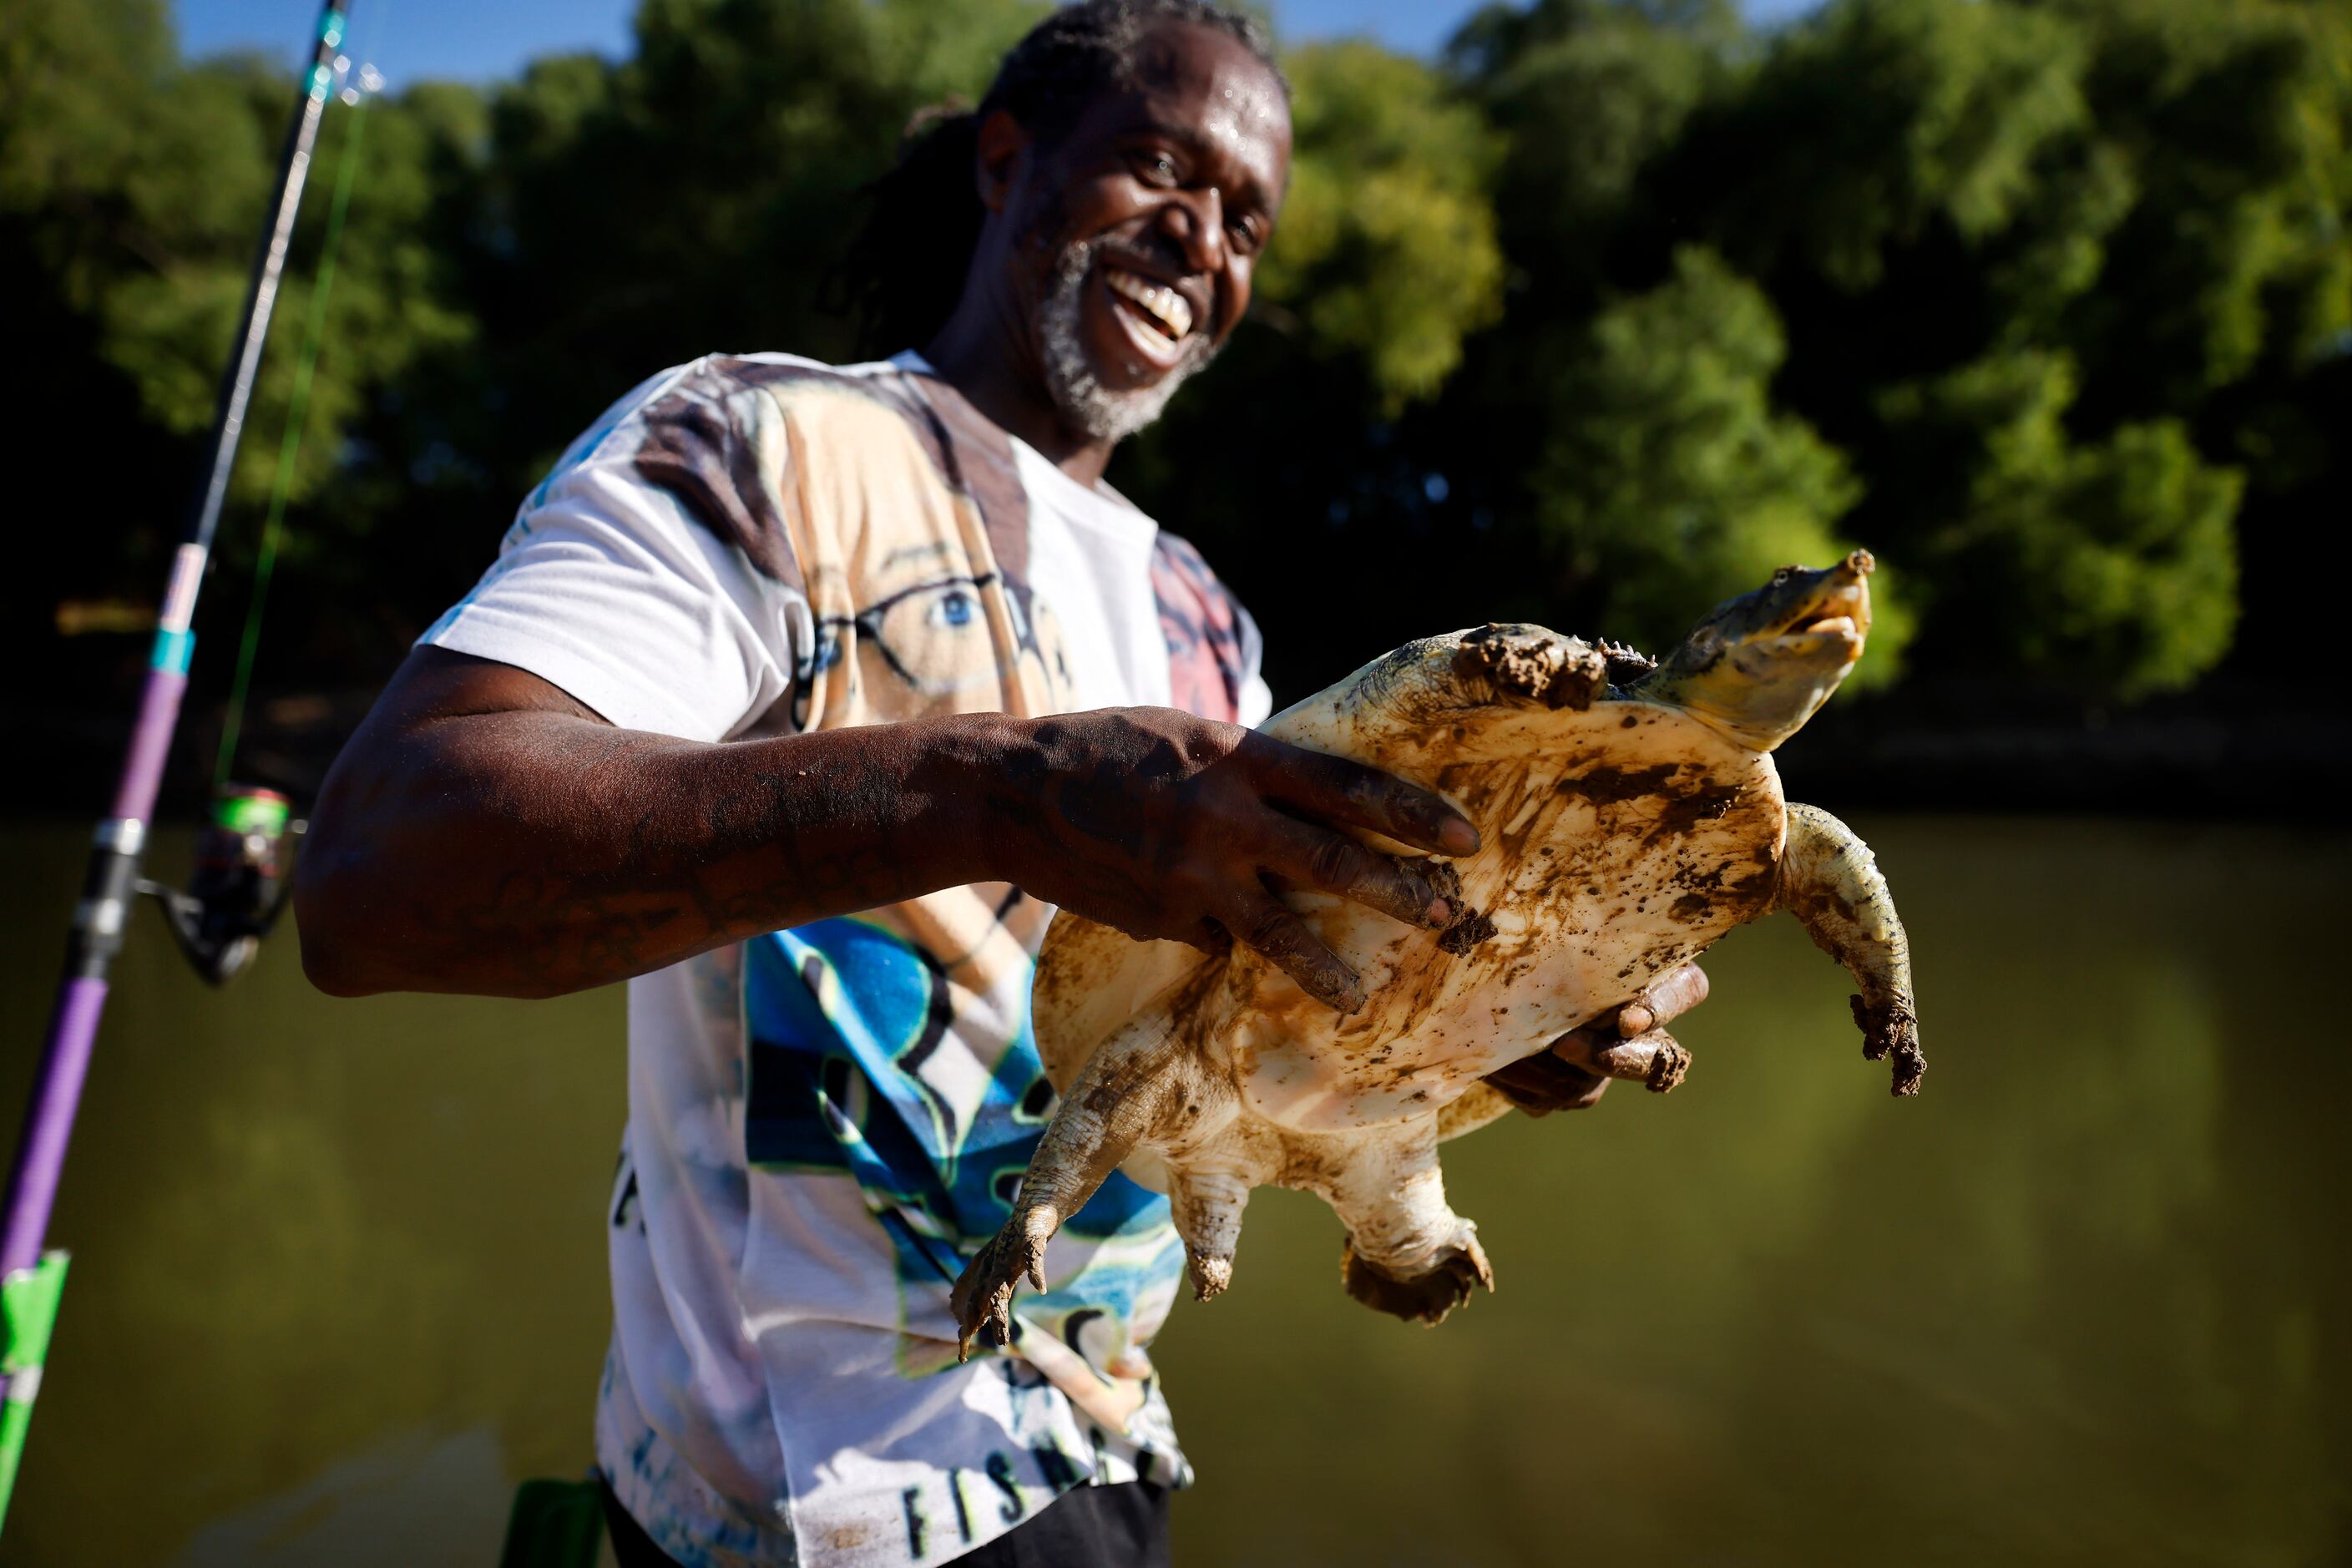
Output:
[[1119, 1526]]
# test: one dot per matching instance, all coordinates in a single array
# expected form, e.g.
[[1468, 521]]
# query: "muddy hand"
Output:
[[1632, 1043], [1165, 826]]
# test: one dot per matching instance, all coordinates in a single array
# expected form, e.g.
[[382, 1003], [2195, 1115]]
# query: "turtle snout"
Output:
[[1838, 605], [1857, 565]]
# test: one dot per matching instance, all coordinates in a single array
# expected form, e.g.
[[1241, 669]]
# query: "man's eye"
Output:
[[1157, 167]]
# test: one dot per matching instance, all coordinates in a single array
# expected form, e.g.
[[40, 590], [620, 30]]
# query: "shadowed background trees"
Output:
[[1592, 320]]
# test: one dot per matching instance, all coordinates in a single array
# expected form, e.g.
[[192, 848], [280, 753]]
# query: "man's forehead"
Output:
[[1206, 87]]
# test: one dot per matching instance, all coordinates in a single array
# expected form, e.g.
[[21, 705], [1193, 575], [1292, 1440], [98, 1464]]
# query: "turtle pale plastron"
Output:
[[1630, 815]]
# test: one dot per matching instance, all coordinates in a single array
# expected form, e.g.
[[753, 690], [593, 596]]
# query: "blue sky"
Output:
[[410, 40]]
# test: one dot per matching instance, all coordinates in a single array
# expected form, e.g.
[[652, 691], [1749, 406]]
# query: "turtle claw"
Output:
[[1424, 1298], [983, 1297], [1211, 1276], [1892, 1030]]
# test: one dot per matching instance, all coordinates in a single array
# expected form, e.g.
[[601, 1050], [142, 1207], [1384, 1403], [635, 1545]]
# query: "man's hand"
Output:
[[1161, 824], [1564, 1077]]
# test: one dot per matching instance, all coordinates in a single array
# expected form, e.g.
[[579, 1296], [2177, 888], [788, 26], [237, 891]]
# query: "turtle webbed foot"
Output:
[[983, 1297], [1892, 1029], [1424, 1298]]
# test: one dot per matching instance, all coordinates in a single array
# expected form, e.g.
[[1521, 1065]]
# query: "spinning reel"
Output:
[[239, 885]]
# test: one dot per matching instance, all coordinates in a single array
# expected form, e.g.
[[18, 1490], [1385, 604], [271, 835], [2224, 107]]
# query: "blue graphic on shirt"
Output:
[[853, 1067]]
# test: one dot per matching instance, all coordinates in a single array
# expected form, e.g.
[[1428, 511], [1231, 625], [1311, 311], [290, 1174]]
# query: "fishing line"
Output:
[[362, 83]]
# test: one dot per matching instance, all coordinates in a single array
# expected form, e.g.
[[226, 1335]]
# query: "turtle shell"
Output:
[[1620, 839]]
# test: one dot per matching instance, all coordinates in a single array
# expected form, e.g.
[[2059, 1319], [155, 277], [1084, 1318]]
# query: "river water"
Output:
[[339, 1273]]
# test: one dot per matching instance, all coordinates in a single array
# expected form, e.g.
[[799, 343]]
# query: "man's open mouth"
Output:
[[1157, 318]]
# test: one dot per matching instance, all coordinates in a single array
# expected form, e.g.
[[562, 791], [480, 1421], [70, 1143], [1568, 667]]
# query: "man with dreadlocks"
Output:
[[798, 696]]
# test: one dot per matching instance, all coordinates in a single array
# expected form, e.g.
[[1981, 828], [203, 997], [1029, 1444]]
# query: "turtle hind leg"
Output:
[[1206, 1204], [1408, 1253], [1831, 882], [1424, 1298], [1115, 1104]]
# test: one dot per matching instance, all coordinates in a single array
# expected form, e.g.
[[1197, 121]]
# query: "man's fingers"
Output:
[[1546, 1082], [1667, 998], [1263, 924], [1655, 1056], [1337, 790], [1333, 863]]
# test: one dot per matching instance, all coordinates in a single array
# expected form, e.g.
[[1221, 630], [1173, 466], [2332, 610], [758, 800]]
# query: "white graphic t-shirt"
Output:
[[826, 1122]]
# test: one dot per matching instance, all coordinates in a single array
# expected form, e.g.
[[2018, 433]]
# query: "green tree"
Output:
[[1389, 255], [1587, 95], [2047, 301], [1947, 198]]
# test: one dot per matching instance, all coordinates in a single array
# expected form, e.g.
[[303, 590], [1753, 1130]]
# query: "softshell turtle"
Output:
[[1630, 815]]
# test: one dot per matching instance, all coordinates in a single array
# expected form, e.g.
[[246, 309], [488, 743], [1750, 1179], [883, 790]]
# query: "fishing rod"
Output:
[[32, 1279]]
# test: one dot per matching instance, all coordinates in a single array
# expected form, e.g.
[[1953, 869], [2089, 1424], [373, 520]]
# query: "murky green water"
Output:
[[339, 1272]]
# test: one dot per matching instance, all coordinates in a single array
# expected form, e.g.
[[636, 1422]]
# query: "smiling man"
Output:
[[797, 697]]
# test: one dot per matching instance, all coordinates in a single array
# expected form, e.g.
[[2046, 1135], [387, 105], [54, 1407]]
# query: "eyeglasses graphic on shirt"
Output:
[[933, 636]]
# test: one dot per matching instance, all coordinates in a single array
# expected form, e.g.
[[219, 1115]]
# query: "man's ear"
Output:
[[1002, 142]]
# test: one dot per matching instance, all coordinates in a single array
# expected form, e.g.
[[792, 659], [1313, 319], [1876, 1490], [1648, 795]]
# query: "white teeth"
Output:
[[1165, 305]]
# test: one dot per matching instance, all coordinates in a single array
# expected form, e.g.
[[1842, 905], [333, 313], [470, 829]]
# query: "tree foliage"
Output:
[[1389, 253], [2058, 283], [1593, 320]]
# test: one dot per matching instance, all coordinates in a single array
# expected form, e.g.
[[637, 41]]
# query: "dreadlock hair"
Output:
[[904, 271]]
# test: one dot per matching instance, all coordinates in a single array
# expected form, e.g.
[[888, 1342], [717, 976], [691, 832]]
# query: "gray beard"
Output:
[[1082, 400]]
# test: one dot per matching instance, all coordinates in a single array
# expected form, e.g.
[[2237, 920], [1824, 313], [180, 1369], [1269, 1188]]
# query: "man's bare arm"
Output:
[[486, 832]]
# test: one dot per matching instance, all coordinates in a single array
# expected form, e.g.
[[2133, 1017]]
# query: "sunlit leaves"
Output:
[[1387, 248]]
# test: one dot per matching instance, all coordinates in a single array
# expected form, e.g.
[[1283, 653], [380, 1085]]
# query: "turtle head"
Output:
[[1759, 665]]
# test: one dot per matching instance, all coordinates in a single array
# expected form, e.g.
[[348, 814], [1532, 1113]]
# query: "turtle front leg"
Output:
[[1115, 1102], [1408, 1253], [1831, 882]]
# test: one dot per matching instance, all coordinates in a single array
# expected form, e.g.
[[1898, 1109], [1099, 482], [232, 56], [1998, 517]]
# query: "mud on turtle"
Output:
[[1630, 816]]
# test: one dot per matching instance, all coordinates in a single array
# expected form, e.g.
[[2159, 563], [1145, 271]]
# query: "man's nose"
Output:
[[1196, 221]]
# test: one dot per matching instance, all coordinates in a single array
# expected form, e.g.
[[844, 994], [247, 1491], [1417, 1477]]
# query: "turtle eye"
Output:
[[1783, 575]]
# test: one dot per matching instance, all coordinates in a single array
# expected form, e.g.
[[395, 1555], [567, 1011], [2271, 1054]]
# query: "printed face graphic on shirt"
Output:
[[927, 629], [924, 626]]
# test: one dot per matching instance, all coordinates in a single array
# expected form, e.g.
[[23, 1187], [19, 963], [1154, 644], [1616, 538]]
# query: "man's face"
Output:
[[1141, 227]]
